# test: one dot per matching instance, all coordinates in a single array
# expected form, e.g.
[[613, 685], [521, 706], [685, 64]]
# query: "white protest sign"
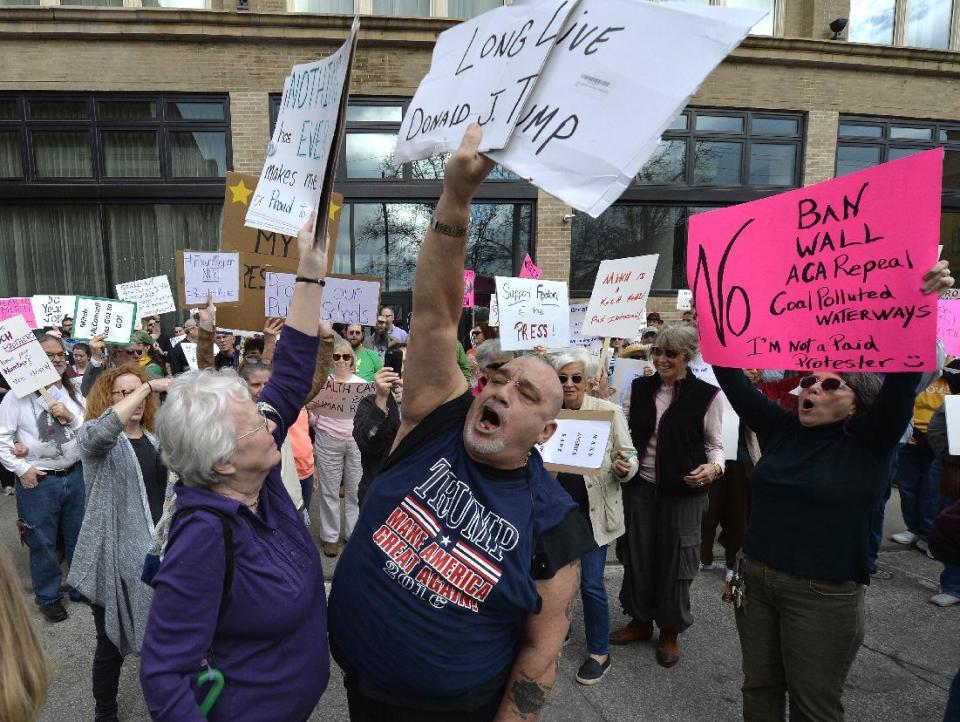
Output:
[[579, 443], [152, 295], [23, 362], [494, 319], [50, 308], [302, 146], [116, 320], [190, 354], [702, 370], [620, 72], [175, 340], [619, 299], [481, 72], [730, 430], [624, 372], [684, 299], [578, 313], [217, 274], [277, 292], [350, 299], [952, 410], [532, 313], [339, 400]]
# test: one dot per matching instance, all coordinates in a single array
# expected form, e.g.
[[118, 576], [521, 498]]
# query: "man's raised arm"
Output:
[[431, 376]]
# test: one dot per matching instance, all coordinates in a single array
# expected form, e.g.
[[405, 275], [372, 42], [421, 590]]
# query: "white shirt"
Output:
[[398, 333], [50, 444]]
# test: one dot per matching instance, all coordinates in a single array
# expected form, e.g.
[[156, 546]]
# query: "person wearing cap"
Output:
[[148, 356], [227, 354], [654, 319], [178, 359]]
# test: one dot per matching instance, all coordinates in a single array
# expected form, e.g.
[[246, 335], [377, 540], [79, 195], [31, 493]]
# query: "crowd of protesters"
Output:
[[177, 487]]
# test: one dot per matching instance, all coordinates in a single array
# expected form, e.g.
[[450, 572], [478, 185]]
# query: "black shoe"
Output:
[[592, 671], [53, 612], [878, 573]]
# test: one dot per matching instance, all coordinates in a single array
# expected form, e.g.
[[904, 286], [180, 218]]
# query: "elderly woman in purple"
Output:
[[240, 588]]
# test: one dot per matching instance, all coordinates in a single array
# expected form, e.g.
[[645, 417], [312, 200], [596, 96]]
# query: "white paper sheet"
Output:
[[347, 300], [50, 308], [152, 295], [625, 370], [214, 273], [577, 442], [618, 304], [117, 320]]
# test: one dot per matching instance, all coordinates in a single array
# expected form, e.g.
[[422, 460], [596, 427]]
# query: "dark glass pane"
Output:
[[195, 110], [871, 21], [370, 155], [58, 109], [950, 237], [9, 109], [408, 8], [717, 163], [501, 173], [62, 154], [895, 153], [851, 158], [949, 135], [11, 162], [905, 133], [375, 113], [858, 130], [341, 261], [430, 168], [951, 169], [679, 123], [14, 3], [198, 154], [126, 109], [186, 4], [775, 126], [499, 237], [667, 164], [719, 124], [130, 154], [773, 164], [470, 8]]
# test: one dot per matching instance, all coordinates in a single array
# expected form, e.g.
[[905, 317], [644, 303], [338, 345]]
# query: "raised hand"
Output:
[[466, 169], [938, 278]]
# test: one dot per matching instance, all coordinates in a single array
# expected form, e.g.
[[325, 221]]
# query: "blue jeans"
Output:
[[919, 490], [51, 511], [593, 592], [950, 580], [876, 519]]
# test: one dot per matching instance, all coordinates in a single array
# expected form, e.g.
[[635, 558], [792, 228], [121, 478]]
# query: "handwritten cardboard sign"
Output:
[[823, 278], [529, 269], [482, 71], [952, 410], [619, 72], [469, 280], [23, 362], [350, 299], [277, 293], [50, 308], [18, 306], [948, 325], [202, 274], [339, 400], [532, 313], [579, 443], [625, 370], [302, 156], [116, 320], [619, 299], [152, 295], [578, 314]]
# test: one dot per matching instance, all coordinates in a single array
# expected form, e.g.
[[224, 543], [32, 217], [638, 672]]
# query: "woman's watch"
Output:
[[717, 468]]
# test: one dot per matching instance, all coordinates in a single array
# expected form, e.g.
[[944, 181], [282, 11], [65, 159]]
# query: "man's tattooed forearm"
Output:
[[528, 696]]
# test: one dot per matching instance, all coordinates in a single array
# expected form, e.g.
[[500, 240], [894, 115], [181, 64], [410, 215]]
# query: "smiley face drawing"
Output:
[[913, 361]]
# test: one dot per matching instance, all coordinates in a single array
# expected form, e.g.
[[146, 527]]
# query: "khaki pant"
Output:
[[798, 636]]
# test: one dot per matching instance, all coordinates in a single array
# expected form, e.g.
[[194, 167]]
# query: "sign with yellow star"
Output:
[[241, 194]]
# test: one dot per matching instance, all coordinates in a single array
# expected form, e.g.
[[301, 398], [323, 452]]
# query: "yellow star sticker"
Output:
[[241, 194], [334, 209]]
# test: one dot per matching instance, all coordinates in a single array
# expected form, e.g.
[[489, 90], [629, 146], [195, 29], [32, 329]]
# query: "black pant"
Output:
[[367, 709], [107, 662]]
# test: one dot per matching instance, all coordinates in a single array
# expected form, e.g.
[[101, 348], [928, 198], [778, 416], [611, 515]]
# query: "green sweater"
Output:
[[368, 363], [815, 488]]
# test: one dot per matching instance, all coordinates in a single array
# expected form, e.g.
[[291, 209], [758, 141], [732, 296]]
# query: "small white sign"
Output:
[[152, 295], [23, 362], [624, 372], [350, 300], [578, 314], [339, 400], [116, 320], [190, 354], [50, 308], [217, 274], [618, 304], [532, 313], [953, 423], [684, 299], [277, 293], [579, 443]]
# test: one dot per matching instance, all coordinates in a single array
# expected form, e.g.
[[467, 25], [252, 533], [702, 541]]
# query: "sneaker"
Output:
[[944, 600], [881, 574], [711, 566], [331, 549], [922, 545], [53, 612], [904, 537], [8, 490], [592, 671]]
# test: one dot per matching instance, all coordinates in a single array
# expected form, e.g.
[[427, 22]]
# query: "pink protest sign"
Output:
[[530, 269], [468, 280], [18, 306], [823, 278], [948, 325]]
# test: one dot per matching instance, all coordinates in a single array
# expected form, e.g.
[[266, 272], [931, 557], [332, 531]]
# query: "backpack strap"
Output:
[[227, 543]]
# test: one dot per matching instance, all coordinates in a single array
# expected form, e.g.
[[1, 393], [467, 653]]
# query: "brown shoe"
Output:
[[668, 651], [634, 632], [331, 549]]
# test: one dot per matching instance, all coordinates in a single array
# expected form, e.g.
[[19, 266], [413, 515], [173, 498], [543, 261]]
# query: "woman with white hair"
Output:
[[600, 501], [240, 588]]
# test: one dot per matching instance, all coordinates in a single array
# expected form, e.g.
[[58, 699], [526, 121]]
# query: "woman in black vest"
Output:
[[675, 425]]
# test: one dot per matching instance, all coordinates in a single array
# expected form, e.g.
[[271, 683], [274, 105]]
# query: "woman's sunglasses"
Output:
[[657, 351], [575, 378], [342, 356], [827, 384]]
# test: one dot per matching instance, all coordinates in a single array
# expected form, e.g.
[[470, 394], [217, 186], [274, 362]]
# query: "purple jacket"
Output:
[[270, 642]]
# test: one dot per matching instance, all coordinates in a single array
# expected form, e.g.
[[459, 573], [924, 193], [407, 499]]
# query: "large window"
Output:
[[402, 8], [96, 190], [707, 158], [181, 4], [916, 23]]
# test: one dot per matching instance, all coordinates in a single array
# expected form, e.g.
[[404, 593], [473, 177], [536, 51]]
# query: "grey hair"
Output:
[[590, 363], [490, 350], [680, 338], [195, 425], [866, 389]]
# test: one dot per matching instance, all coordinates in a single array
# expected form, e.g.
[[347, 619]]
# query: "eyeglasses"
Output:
[[476, 332], [574, 378], [342, 356], [495, 366], [261, 427], [135, 352], [54, 355], [828, 384], [123, 393], [657, 351]]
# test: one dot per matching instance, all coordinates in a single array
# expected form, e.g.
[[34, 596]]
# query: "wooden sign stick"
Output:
[[48, 398]]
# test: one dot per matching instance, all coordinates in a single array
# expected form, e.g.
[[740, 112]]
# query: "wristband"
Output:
[[304, 279], [150, 386]]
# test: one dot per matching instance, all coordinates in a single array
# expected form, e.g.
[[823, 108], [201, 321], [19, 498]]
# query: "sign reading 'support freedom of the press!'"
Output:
[[618, 304], [532, 313], [301, 161], [23, 362], [823, 278]]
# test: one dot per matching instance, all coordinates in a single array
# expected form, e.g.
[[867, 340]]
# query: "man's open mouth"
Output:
[[489, 419]]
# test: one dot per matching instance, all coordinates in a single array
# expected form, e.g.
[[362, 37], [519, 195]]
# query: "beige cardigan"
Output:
[[603, 489]]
